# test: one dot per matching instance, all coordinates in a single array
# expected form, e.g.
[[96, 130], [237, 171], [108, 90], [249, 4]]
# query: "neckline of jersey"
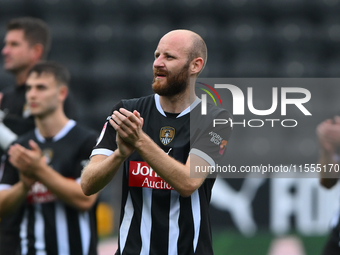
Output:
[[186, 111], [69, 125]]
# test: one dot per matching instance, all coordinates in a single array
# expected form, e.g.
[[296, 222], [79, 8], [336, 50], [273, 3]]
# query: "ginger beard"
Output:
[[176, 83]]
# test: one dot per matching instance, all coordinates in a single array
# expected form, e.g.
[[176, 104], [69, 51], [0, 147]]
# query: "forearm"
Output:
[[11, 199], [328, 178], [66, 189], [100, 171], [176, 174]]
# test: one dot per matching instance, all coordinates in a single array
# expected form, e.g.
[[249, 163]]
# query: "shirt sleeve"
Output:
[[83, 157], [212, 142], [8, 174], [106, 143]]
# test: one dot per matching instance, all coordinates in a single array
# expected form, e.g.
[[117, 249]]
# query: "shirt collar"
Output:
[[187, 110]]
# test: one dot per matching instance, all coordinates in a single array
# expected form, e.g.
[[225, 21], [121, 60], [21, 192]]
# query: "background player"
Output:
[[164, 210], [42, 170], [328, 133], [27, 42]]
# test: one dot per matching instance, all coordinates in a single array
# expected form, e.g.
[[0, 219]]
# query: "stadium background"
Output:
[[108, 46]]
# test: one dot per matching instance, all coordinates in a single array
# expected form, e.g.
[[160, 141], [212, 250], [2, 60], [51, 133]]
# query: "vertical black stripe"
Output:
[[93, 225], [160, 221], [48, 211], [133, 243], [30, 230], [74, 237], [204, 245], [186, 227]]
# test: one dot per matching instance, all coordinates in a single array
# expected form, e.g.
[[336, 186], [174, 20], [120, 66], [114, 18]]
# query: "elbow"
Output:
[[328, 183], [187, 190], [186, 193], [85, 206], [86, 203], [86, 189]]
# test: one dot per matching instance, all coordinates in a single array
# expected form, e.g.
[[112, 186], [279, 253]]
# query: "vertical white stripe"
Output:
[[2, 166], [126, 222], [41, 252], [173, 223], [62, 230], [204, 104], [196, 214], [23, 233], [145, 228], [85, 231], [39, 231]]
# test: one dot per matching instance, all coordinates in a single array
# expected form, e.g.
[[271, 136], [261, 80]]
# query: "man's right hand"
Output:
[[328, 133]]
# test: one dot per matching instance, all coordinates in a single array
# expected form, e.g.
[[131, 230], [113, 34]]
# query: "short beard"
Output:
[[176, 84]]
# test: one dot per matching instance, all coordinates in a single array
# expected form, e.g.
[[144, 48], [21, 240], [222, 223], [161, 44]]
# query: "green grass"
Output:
[[232, 243]]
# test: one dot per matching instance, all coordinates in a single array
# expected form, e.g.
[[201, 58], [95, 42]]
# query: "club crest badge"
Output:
[[166, 135], [48, 153]]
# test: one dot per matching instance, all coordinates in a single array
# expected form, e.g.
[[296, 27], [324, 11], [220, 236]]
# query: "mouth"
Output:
[[33, 105], [160, 74]]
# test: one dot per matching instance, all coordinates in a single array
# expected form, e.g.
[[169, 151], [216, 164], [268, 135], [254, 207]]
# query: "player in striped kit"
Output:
[[40, 176], [157, 138]]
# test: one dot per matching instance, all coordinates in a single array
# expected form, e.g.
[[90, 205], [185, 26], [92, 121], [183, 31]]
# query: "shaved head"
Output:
[[192, 44]]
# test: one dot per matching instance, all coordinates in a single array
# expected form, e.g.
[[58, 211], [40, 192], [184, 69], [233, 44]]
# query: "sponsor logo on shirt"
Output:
[[40, 194], [218, 140], [166, 135], [142, 175]]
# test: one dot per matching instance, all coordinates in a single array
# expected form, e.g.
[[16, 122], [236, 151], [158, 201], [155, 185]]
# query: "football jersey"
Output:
[[155, 218], [18, 119], [47, 224]]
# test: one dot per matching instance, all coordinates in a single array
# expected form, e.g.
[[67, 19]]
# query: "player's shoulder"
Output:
[[212, 111], [8, 90], [218, 111], [84, 131], [24, 138], [136, 103]]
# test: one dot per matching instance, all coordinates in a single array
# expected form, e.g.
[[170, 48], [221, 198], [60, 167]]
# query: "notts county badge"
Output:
[[167, 134], [48, 153]]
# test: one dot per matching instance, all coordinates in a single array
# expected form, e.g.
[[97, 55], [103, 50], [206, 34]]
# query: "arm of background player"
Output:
[[30, 162], [12, 198], [65, 189], [328, 133]]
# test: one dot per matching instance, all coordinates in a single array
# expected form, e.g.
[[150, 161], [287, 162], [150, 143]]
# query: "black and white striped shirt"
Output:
[[47, 224], [156, 219]]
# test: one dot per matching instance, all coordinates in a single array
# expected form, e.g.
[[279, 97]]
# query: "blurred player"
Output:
[[328, 133], [27, 41], [164, 210], [42, 170]]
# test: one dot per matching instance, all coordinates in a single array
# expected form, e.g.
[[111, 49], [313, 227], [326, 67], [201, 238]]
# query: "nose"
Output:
[[158, 62], [30, 93], [4, 50]]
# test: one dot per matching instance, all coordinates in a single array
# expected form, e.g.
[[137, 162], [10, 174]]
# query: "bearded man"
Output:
[[160, 139]]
